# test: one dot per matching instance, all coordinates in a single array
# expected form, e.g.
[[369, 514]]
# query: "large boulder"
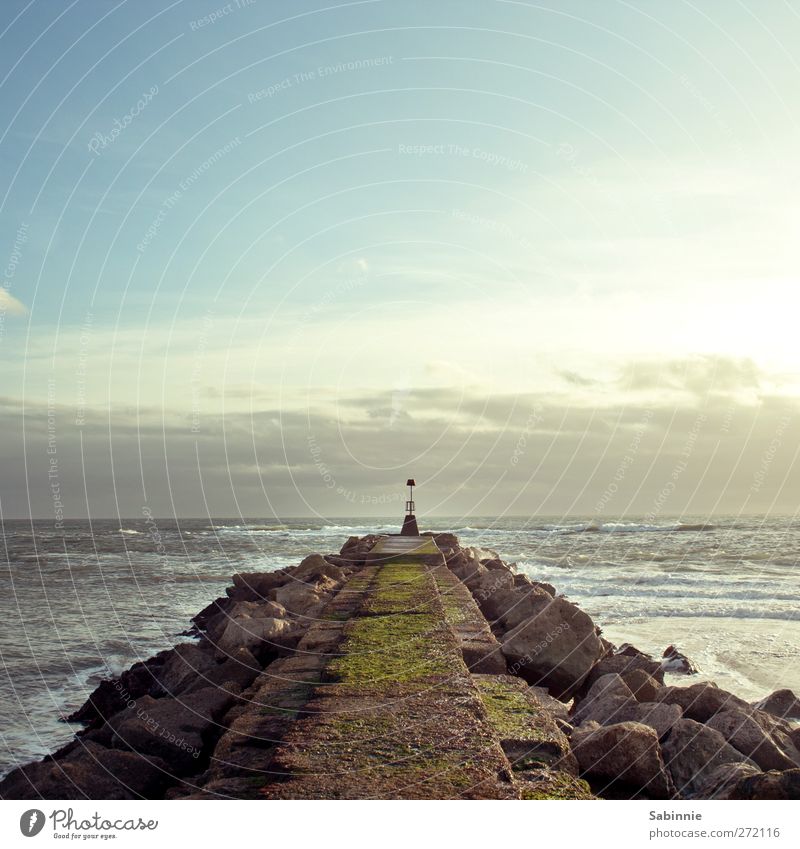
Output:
[[659, 716], [604, 701], [256, 586], [211, 611], [305, 599], [260, 635], [112, 694], [216, 626], [626, 753], [742, 731], [314, 567], [556, 648], [238, 668], [677, 663], [622, 663], [692, 751], [782, 731], [700, 701], [446, 543], [178, 731], [495, 564], [89, 771], [356, 549], [768, 785], [509, 607], [483, 582], [781, 703], [720, 782], [184, 665], [643, 686]]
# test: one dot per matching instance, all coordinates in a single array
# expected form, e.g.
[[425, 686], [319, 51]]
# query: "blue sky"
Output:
[[241, 226]]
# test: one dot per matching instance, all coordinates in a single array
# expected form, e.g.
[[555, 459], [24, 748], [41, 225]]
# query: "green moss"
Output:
[[512, 715], [453, 608], [556, 785], [401, 587], [398, 649]]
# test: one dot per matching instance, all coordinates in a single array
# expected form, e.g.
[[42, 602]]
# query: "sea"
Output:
[[85, 601]]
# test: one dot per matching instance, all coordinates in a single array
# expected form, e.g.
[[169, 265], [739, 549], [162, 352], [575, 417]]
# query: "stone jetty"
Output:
[[411, 667]]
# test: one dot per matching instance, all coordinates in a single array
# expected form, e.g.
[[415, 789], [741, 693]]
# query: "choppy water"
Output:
[[94, 598]]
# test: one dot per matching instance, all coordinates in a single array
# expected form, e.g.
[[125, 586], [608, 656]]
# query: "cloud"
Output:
[[699, 375], [495, 455], [10, 305], [575, 379]]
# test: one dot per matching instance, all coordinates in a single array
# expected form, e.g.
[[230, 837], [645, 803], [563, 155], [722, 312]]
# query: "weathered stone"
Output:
[[700, 701], [495, 564], [314, 567], [780, 731], [257, 610], [719, 783], [509, 607], [90, 771], [542, 585], [692, 751], [676, 662], [605, 699], [643, 686], [342, 562], [625, 752], [552, 784], [486, 584], [484, 656], [630, 650], [556, 649], [782, 703], [527, 732], [184, 665], [768, 785], [256, 634], [239, 668], [111, 695], [256, 586], [621, 663], [745, 734], [210, 611], [175, 730], [305, 600], [659, 716], [556, 708], [356, 549]]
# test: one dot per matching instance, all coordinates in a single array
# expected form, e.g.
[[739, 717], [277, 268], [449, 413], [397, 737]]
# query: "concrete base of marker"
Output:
[[410, 528]]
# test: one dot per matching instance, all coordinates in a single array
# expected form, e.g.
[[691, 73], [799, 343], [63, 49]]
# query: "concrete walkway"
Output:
[[378, 701]]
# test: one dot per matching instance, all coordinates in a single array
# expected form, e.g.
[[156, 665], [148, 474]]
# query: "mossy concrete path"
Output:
[[397, 715], [379, 701]]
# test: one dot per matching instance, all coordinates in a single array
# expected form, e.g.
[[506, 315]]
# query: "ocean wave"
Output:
[[635, 527], [129, 532], [630, 614]]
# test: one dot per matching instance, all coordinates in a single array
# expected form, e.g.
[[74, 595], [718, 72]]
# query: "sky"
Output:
[[270, 259]]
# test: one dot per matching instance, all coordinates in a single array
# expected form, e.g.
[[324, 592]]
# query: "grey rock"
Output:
[[692, 751], [768, 785], [742, 731], [89, 771], [781, 703], [626, 752], [556, 648], [700, 701]]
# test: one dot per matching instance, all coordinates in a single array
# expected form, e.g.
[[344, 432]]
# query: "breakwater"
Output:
[[438, 672]]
